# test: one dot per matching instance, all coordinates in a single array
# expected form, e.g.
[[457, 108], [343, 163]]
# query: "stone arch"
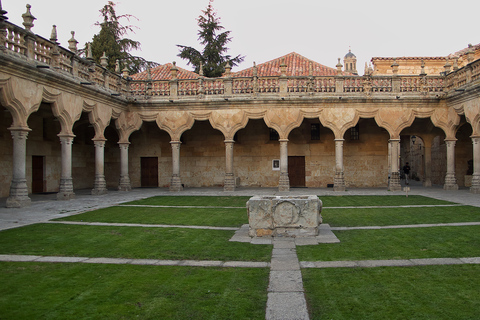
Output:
[[228, 122], [283, 120], [175, 123], [394, 120], [339, 120], [67, 108], [126, 123]]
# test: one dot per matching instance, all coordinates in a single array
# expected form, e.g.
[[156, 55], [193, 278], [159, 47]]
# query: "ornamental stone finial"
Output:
[[339, 67], [117, 66], [447, 66], [2, 13], [104, 60], [228, 69], [470, 53], [200, 70], [125, 72], [28, 19], [255, 71], [174, 70], [422, 72], [89, 51], [53, 35], [72, 43], [395, 66], [149, 74]]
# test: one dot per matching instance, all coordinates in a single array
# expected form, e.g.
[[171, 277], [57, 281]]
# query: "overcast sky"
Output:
[[263, 30]]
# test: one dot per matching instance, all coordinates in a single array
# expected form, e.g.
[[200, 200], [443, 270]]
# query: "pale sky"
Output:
[[263, 30]]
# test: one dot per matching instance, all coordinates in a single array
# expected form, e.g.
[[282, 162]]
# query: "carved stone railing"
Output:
[[44, 53]]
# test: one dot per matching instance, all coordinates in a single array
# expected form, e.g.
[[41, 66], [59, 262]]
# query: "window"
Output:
[[274, 135], [315, 131], [354, 133]]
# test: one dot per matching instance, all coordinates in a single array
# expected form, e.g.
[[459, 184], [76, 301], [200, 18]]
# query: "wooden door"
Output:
[[149, 171], [296, 171], [37, 174]]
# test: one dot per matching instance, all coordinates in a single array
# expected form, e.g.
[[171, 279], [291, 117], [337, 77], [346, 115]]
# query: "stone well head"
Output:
[[287, 216]]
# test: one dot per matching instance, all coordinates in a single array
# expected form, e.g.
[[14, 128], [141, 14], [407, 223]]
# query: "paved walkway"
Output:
[[286, 298]]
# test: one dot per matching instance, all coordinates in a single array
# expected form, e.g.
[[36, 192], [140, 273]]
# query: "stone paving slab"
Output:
[[436, 261], [197, 263], [18, 258], [246, 264], [145, 261], [384, 263], [285, 281], [283, 244], [475, 260], [306, 241], [261, 241], [284, 264], [108, 260], [325, 234], [110, 224], [286, 306], [62, 259], [401, 226]]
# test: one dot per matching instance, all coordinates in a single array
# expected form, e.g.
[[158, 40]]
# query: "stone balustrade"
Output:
[[45, 53]]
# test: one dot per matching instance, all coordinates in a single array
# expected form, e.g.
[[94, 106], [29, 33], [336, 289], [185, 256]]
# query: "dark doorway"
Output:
[[149, 168], [296, 171], [37, 174]]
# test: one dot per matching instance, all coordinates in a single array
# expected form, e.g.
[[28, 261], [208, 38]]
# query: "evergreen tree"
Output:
[[213, 58], [111, 40]]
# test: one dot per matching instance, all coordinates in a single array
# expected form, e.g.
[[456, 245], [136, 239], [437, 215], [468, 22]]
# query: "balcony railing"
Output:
[[19, 42]]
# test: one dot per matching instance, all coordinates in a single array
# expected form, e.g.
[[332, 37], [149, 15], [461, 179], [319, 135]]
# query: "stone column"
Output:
[[176, 182], [18, 197], [339, 181], [100, 185], [66, 182], [284, 183], [475, 188], [428, 163], [229, 184], [124, 184], [394, 183], [450, 177]]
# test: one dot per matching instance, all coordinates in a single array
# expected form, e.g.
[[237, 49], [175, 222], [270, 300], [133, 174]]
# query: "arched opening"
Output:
[[150, 163], [6, 154], [83, 153]]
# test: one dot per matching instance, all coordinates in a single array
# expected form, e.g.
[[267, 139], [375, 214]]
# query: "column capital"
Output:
[[175, 142], [339, 140], [450, 139], [229, 141], [394, 140], [19, 129], [66, 135], [282, 140]]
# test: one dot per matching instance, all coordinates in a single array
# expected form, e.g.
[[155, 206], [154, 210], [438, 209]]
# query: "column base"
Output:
[[394, 183], [100, 186], [284, 183], [229, 183], [427, 183], [339, 182], [124, 184], [66, 190], [450, 182], [18, 202], [475, 188], [176, 184], [18, 195]]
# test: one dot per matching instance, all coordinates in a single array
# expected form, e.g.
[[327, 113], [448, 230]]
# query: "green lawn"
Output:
[[428, 292], [231, 217], [129, 242], [80, 291], [210, 201], [408, 243], [361, 201], [345, 217], [85, 291]]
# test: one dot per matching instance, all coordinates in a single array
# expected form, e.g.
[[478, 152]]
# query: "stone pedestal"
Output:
[[287, 216], [475, 188]]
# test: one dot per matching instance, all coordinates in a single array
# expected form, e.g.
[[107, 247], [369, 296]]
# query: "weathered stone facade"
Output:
[[67, 123]]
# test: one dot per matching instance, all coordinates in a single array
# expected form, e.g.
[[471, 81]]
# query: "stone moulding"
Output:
[[287, 216]]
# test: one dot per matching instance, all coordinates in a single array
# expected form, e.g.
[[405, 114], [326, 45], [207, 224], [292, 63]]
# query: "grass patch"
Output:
[[210, 201], [81, 291], [129, 242], [345, 217], [231, 217], [430, 292], [361, 201], [409, 243]]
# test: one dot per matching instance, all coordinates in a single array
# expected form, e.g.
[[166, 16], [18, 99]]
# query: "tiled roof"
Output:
[[162, 72], [297, 65], [464, 51]]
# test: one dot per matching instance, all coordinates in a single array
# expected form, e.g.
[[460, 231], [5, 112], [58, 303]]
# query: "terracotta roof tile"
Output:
[[463, 51], [297, 65], [162, 72]]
